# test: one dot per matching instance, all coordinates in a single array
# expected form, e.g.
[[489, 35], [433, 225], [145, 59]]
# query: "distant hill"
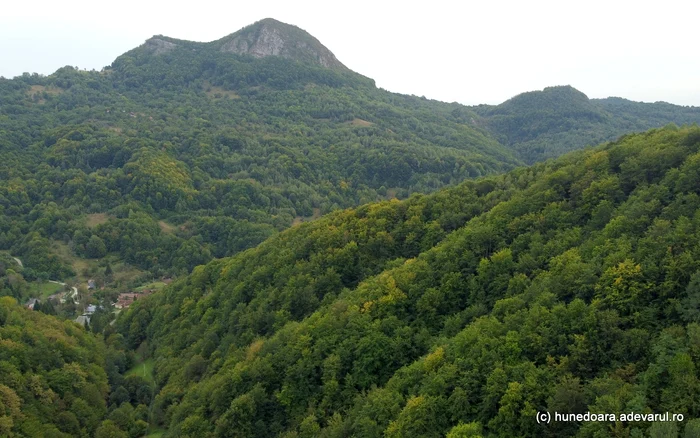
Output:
[[544, 124]]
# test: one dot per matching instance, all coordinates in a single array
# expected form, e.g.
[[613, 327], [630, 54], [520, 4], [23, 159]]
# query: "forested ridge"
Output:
[[187, 152], [347, 261], [569, 286]]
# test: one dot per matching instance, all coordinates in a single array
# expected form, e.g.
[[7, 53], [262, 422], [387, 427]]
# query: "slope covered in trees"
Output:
[[58, 380], [52, 377], [569, 286], [181, 152], [194, 154]]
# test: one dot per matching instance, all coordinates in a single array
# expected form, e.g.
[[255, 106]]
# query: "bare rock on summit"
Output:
[[159, 46], [270, 37], [262, 39], [269, 42]]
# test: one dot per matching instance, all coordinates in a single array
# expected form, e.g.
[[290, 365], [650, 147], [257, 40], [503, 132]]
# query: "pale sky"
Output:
[[465, 51]]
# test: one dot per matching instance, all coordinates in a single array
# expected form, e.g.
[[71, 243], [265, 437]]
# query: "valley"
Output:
[[257, 241]]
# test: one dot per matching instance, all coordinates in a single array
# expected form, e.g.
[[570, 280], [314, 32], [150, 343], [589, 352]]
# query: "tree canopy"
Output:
[[568, 286]]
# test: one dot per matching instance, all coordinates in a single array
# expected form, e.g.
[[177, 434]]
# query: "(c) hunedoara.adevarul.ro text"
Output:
[[546, 417]]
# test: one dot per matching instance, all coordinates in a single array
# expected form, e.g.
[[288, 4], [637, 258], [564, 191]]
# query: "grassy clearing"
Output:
[[301, 219], [361, 123], [152, 285], [86, 268], [79, 265], [166, 227], [125, 273], [96, 219], [143, 369], [42, 289], [39, 90], [218, 92]]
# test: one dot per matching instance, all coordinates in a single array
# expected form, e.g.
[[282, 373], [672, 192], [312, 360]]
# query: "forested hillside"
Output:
[[543, 124], [59, 381], [165, 160], [569, 286], [347, 261], [52, 377], [180, 152]]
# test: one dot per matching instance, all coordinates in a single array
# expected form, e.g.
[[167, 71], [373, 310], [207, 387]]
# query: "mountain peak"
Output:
[[270, 37]]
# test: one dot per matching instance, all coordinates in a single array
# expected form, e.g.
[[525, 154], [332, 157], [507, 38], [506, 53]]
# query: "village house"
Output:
[[126, 299]]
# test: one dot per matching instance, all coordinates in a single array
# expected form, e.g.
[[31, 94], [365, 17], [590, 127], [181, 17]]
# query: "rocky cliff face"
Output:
[[264, 38], [159, 46], [273, 38]]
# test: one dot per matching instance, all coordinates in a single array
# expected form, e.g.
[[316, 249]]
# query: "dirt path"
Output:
[[74, 290]]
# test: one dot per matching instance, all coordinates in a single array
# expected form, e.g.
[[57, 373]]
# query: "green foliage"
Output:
[[461, 313], [211, 152], [470, 430], [12, 281], [108, 429], [52, 375], [545, 124], [149, 147], [95, 247], [566, 285]]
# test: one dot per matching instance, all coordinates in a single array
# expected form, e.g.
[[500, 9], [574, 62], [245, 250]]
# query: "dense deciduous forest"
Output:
[[568, 286], [54, 378], [545, 124], [349, 261]]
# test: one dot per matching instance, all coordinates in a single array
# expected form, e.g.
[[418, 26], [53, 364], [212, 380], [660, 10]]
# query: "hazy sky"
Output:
[[466, 51]]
